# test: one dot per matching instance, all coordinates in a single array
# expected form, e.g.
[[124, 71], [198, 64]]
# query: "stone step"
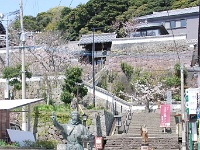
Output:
[[136, 144], [156, 138]]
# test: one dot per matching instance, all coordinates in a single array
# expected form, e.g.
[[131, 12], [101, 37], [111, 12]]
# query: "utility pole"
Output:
[[199, 75], [23, 40], [93, 73], [183, 111], [7, 91]]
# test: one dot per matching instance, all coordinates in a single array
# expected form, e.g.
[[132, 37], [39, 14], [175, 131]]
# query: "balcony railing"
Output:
[[96, 53]]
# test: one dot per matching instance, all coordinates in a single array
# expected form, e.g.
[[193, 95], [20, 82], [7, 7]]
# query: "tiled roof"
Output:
[[171, 13], [98, 38]]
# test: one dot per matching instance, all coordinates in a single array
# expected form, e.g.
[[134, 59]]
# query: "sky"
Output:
[[33, 7]]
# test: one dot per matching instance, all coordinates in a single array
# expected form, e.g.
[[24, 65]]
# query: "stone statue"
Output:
[[144, 133], [74, 132]]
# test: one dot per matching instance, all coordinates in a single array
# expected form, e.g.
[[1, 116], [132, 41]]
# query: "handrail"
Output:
[[112, 130]]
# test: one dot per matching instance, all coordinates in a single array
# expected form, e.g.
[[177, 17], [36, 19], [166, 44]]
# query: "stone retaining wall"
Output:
[[161, 55]]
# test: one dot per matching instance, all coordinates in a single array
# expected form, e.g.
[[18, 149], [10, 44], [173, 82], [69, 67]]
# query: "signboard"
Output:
[[194, 131], [20, 136], [191, 100], [169, 97], [98, 142], [165, 115]]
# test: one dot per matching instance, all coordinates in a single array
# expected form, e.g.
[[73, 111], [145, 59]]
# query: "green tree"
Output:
[[175, 79], [127, 70], [72, 83], [14, 75]]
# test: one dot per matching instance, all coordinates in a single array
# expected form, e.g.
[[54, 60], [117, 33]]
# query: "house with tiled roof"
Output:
[[102, 43], [178, 21]]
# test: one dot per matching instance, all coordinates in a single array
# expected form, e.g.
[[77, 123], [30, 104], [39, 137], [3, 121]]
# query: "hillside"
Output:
[[97, 13]]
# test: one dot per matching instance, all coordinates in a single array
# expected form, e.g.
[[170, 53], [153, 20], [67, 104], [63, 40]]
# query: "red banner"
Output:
[[165, 115]]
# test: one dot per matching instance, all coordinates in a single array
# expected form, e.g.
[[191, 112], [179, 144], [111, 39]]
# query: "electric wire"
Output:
[[70, 3], [172, 32], [60, 2]]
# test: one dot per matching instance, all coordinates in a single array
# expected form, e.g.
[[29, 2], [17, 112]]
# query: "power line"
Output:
[[60, 2], [70, 3], [172, 31]]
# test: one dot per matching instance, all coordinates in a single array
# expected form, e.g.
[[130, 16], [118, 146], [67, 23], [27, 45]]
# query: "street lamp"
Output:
[[84, 117]]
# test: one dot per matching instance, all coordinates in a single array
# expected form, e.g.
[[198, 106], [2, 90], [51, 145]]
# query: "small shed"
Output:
[[102, 44], [5, 107]]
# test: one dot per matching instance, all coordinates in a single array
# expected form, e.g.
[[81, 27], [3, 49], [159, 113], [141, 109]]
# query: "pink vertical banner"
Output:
[[165, 115]]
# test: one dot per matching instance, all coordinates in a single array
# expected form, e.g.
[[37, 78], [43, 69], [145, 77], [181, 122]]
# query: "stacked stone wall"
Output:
[[150, 56]]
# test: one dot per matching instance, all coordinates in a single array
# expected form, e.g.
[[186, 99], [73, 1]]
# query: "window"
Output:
[[167, 25], [178, 24], [183, 23], [175, 24], [136, 34], [143, 33], [153, 32]]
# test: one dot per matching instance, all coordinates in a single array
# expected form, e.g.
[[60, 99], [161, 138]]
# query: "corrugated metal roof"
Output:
[[11, 104], [171, 13], [98, 38]]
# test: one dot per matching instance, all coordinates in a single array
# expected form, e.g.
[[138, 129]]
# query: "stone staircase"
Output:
[[157, 138]]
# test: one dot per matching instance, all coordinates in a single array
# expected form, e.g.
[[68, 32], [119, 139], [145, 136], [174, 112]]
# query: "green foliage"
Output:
[[14, 75], [91, 106], [66, 97], [127, 70], [5, 145], [141, 77], [175, 79], [97, 13], [177, 97], [50, 144], [112, 76], [43, 112], [50, 108], [172, 81], [103, 82], [118, 88], [73, 82]]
